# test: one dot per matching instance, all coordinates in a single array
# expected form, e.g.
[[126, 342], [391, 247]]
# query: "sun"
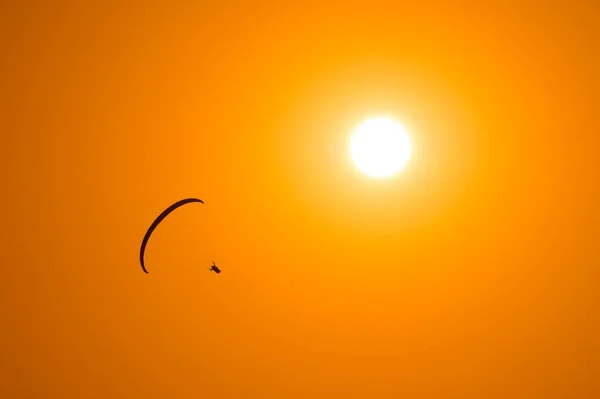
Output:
[[380, 147]]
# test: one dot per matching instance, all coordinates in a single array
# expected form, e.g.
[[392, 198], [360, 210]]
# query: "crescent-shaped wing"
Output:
[[157, 221]]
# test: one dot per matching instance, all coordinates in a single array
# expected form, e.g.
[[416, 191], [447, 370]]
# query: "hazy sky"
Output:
[[472, 274]]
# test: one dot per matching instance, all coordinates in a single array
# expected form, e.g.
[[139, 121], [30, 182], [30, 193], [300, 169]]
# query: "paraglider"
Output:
[[157, 221], [214, 268]]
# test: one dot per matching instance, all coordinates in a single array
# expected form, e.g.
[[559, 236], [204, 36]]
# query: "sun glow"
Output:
[[380, 147]]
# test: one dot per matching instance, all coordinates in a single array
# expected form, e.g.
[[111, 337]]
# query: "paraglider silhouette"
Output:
[[214, 268], [157, 221]]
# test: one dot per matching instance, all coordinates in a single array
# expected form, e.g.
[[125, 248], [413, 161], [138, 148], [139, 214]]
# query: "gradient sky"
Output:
[[472, 274]]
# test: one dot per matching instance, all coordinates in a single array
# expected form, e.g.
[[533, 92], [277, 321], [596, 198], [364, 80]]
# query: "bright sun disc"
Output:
[[380, 147]]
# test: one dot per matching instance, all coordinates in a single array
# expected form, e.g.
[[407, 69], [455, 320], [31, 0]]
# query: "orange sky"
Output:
[[472, 274]]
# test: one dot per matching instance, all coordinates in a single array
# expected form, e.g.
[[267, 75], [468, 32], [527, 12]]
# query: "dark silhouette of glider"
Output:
[[214, 268], [157, 221]]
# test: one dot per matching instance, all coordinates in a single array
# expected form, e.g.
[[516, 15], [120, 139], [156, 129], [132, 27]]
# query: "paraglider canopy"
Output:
[[157, 221]]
